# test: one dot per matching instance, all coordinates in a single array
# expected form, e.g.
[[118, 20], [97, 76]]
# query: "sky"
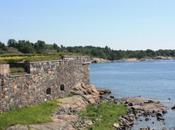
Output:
[[119, 24]]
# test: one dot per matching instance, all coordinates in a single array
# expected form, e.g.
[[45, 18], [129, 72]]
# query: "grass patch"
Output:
[[107, 113], [28, 115], [17, 70]]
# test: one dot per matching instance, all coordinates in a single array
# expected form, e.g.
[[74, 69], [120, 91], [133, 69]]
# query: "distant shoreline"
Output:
[[101, 60], [146, 59]]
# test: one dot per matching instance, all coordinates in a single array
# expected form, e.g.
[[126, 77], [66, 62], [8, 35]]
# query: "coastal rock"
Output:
[[104, 91], [159, 116], [116, 125], [145, 128], [173, 108], [131, 60], [99, 60], [85, 89], [18, 127], [46, 126], [88, 92], [141, 107], [146, 105]]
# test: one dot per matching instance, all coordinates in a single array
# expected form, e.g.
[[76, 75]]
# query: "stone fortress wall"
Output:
[[45, 80]]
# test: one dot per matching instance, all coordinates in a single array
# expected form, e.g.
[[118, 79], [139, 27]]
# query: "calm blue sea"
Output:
[[151, 79]]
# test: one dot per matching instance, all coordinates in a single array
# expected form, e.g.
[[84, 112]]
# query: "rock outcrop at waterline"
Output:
[[173, 108], [140, 107], [99, 60]]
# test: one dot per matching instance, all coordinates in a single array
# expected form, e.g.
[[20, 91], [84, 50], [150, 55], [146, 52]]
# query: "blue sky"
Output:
[[120, 24]]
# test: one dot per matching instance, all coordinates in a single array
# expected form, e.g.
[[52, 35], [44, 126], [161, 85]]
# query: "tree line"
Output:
[[41, 47]]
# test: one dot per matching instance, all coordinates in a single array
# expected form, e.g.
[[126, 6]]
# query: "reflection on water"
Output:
[[155, 80]]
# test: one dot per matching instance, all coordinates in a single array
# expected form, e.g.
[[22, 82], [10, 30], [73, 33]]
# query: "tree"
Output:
[[150, 53], [56, 47], [2, 46], [25, 46], [12, 43], [40, 46]]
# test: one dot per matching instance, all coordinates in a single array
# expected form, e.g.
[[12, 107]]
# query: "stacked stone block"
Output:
[[46, 80]]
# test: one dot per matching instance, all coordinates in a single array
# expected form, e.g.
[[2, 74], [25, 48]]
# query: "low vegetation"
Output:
[[31, 57], [28, 115], [104, 115]]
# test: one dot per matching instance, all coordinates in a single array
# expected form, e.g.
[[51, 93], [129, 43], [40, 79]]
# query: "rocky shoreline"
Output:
[[101, 60], [140, 107], [67, 118]]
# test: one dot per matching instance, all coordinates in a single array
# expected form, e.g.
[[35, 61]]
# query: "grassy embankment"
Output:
[[28, 115], [107, 114]]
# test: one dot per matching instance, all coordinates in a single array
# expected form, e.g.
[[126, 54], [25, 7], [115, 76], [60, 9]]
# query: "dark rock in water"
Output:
[[150, 101], [148, 128], [94, 61], [164, 111], [160, 116], [104, 91], [112, 97], [146, 119], [173, 108]]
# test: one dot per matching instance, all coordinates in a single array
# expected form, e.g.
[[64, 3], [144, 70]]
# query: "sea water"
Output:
[[150, 79]]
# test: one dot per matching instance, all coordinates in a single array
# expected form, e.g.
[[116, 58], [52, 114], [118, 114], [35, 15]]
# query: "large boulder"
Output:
[[88, 92], [85, 89]]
